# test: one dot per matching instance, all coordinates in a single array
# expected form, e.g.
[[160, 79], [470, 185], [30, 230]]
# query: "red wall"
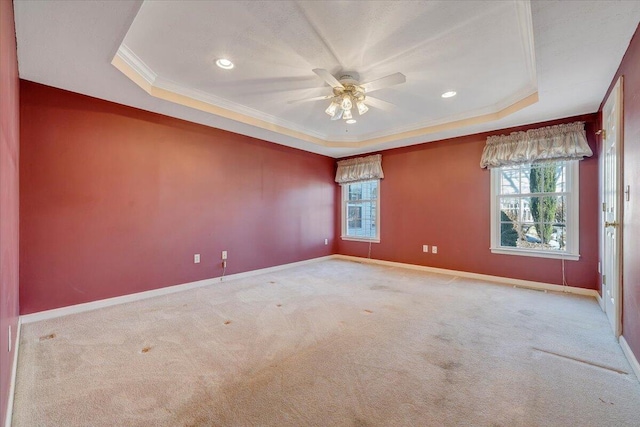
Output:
[[437, 194], [115, 200], [630, 69], [9, 224]]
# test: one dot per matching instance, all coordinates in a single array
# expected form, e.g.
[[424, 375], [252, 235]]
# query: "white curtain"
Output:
[[560, 142], [359, 169]]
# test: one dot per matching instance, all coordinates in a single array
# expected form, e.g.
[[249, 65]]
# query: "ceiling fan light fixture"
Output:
[[449, 94], [346, 102], [331, 109], [349, 92], [362, 108], [224, 63]]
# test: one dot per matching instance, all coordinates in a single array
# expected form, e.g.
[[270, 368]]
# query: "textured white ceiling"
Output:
[[483, 50], [480, 49]]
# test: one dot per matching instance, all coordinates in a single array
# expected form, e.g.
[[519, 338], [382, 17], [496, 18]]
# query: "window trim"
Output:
[[572, 252], [345, 216]]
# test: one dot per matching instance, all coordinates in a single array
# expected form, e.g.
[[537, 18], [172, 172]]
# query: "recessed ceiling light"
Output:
[[449, 94], [224, 63], [351, 121]]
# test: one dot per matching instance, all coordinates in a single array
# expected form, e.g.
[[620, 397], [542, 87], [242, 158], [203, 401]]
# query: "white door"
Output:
[[611, 212]]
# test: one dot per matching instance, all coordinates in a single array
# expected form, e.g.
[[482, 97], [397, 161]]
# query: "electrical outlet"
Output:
[[224, 255], [425, 248], [196, 259], [434, 249], [326, 241]]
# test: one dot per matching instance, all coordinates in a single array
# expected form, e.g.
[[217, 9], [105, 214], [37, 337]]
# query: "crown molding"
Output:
[[136, 70], [136, 64], [208, 98]]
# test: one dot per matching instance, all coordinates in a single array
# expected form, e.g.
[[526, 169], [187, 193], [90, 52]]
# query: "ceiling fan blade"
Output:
[[327, 77], [317, 98], [379, 103], [390, 80], [338, 115]]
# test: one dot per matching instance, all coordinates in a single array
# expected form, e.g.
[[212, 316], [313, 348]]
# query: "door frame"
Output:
[[617, 91]]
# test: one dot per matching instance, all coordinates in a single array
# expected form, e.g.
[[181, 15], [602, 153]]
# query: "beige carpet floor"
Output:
[[333, 343]]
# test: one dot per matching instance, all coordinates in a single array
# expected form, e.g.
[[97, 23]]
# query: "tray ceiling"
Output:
[[510, 62]]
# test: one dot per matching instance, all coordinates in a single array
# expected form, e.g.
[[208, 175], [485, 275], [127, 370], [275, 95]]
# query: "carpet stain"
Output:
[[226, 322], [527, 312], [145, 349], [443, 337], [47, 337], [603, 401], [278, 305], [368, 311], [272, 282], [449, 365]]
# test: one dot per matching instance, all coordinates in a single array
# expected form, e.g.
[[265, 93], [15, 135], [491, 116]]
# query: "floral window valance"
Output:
[[359, 169], [560, 142]]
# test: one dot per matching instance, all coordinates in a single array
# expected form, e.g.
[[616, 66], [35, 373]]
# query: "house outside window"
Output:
[[535, 209]]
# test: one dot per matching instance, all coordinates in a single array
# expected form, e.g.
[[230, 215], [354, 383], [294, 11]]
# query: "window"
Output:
[[361, 211], [355, 217], [534, 209]]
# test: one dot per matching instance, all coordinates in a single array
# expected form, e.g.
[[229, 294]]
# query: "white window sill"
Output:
[[538, 254], [359, 239]]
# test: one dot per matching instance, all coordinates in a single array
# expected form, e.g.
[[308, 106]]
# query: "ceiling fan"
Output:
[[347, 92]]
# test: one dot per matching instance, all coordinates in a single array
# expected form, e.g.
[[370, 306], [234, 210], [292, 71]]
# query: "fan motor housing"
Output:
[[350, 80]]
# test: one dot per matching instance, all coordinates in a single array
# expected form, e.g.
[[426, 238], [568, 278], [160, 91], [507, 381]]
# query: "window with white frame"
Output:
[[361, 210], [534, 190], [535, 209], [359, 179]]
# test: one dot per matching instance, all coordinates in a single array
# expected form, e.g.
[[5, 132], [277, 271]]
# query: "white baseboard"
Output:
[[600, 300], [633, 361], [93, 305], [14, 371], [485, 277]]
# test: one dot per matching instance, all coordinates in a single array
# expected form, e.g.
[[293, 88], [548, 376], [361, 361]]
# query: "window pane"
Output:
[[369, 190], [543, 177], [510, 181], [361, 219], [536, 217], [359, 210], [355, 217], [355, 191], [529, 236], [559, 237], [561, 178], [561, 210], [508, 230], [544, 210], [525, 204], [366, 190], [537, 222], [525, 170], [511, 207]]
